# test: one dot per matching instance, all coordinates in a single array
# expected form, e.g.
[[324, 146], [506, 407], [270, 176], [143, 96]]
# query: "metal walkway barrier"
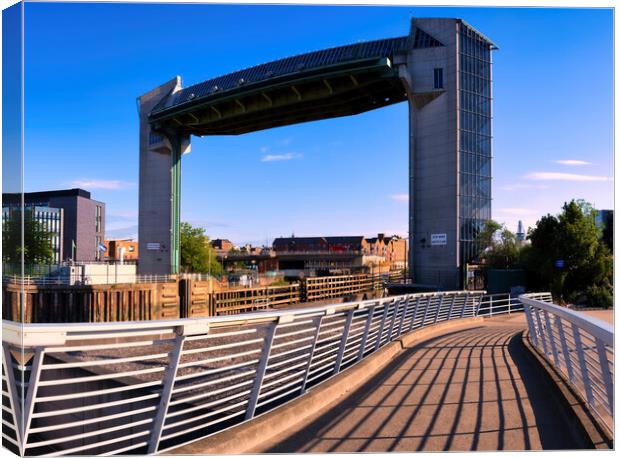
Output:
[[580, 347], [152, 386]]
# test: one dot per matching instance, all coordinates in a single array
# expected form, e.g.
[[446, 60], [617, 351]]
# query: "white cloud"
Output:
[[207, 223], [400, 197], [130, 214], [88, 184], [121, 232], [281, 157], [516, 211], [285, 141], [558, 176], [572, 162], [518, 186]]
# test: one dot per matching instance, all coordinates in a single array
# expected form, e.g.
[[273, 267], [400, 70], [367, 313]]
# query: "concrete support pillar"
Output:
[[160, 188], [406, 78], [175, 244], [433, 155]]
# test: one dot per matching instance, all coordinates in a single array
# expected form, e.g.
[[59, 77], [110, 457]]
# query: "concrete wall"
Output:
[[104, 274]]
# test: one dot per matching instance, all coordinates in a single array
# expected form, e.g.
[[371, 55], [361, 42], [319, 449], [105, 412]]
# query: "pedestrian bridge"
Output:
[[431, 371]]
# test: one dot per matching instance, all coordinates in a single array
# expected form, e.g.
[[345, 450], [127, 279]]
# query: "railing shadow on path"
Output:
[[467, 390]]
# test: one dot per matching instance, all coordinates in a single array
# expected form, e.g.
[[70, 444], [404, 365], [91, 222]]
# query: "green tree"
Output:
[[197, 254], [571, 238], [37, 246], [608, 232], [498, 246], [484, 239]]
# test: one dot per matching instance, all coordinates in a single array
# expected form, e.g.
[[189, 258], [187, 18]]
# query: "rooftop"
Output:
[[41, 195]]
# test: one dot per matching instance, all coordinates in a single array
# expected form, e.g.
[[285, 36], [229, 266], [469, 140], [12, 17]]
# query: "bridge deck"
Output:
[[473, 389]]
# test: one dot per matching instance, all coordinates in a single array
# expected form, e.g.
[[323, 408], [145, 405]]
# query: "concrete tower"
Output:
[[449, 92], [160, 187]]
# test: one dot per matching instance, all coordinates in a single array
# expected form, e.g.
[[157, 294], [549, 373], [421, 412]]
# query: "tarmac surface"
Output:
[[471, 389]]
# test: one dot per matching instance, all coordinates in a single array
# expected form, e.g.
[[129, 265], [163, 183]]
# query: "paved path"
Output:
[[473, 389], [605, 315]]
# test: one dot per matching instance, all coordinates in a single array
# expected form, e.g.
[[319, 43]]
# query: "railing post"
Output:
[[541, 331], [311, 355], [393, 320], [585, 377], [13, 398], [565, 352], [371, 312], [260, 371], [343, 342], [554, 350], [464, 305], [606, 374], [166, 392], [402, 317], [31, 395], [415, 312], [382, 325], [477, 306], [451, 306], [438, 308], [491, 305], [528, 310], [428, 304]]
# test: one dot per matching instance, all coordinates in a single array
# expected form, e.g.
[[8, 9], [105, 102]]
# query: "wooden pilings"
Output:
[[177, 298]]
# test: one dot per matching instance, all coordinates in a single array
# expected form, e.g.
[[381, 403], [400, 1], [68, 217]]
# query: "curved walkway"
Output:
[[473, 389]]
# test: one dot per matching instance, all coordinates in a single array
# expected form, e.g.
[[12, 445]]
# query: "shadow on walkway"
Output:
[[473, 389]]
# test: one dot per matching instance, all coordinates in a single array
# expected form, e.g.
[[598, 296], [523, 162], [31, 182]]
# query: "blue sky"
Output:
[[86, 64]]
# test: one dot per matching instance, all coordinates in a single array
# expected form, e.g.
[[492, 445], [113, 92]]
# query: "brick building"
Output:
[[128, 248]]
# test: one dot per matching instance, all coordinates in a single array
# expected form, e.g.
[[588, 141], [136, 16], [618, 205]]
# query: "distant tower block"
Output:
[[442, 69], [520, 232]]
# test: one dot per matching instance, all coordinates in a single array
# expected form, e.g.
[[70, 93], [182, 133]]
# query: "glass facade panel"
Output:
[[475, 119], [46, 219]]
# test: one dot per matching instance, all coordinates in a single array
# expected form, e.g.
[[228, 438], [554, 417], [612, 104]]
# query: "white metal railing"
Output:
[[68, 280], [496, 304], [150, 386], [580, 347]]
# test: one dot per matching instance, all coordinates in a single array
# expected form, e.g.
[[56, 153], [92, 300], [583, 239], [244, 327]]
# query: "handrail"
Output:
[[594, 326], [580, 347], [151, 386], [500, 303], [11, 328], [86, 280]]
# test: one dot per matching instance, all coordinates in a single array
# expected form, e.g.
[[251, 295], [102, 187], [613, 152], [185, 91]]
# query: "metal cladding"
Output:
[[333, 82]]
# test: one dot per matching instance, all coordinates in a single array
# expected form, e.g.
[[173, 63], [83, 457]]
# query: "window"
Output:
[[98, 218], [438, 78]]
